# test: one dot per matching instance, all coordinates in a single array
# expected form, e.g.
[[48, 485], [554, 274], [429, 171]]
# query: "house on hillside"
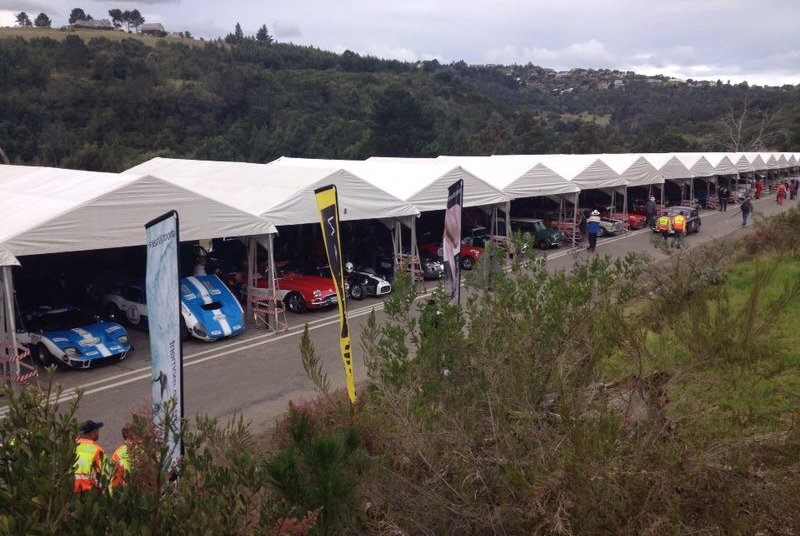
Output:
[[94, 24], [153, 28]]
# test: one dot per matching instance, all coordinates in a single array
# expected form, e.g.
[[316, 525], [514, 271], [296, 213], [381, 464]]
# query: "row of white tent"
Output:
[[46, 210]]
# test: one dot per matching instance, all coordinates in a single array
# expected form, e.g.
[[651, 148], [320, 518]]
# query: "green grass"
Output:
[[713, 402], [87, 34]]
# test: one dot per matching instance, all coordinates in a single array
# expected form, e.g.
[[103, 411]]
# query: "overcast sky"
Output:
[[753, 40]]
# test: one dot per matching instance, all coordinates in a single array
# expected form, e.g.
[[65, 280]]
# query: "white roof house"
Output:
[[282, 194], [48, 210], [421, 182]]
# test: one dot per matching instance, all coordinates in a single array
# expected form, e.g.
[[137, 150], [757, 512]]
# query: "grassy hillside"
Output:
[[109, 100]]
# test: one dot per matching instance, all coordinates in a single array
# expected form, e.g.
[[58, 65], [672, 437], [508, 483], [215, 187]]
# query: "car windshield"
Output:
[[57, 320], [539, 226]]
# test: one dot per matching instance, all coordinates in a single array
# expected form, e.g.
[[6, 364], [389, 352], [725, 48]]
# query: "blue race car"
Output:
[[210, 310], [68, 336]]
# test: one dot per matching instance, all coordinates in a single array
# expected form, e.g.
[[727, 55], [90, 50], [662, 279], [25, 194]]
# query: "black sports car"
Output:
[[692, 218]]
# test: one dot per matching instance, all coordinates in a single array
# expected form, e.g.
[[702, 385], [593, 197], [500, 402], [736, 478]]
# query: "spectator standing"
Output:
[[781, 193], [592, 229], [199, 266], [759, 188], [723, 199], [678, 230], [120, 460], [90, 458], [650, 211], [663, 226], [746, 208]]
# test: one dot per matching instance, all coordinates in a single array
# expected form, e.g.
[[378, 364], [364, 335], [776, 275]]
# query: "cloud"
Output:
[[590, 53], [149, 2], [286, 29], [15, 6]]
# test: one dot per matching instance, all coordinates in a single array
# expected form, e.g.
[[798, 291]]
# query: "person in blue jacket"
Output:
[[592, 229]]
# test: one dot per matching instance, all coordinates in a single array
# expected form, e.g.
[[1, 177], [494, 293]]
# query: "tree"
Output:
[[116, 17], [399, 124], [78, 14], [42, 21], [136, 19], [262, 35], [748, 129], [3, 157], [23, 20], [238, 33]]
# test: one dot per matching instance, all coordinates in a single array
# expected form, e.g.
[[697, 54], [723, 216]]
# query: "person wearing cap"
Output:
[[120, 460], [90, 457], [593, 229], [650, 210]]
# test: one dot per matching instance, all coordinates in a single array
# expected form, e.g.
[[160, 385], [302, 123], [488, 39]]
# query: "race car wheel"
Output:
[[295, 303], [543, 244], [467, 263], [44, 357], [357, 292], [602, 232]]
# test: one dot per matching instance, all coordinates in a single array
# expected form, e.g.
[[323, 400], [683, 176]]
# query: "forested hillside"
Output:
[[102, 104]]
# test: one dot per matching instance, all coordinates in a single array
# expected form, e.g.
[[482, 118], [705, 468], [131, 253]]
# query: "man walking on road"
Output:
[[678, 229], [650, 211], [781, 193], [746, 207], [663, 225], [592, 229]]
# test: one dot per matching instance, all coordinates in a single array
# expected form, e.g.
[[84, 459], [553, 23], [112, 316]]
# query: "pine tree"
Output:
[[262, 35], [42, 21], [23, 20]]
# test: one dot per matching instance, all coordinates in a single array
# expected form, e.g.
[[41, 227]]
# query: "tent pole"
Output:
[[663, 187], [8, 294], [575, 219], [273, 291], [625, 204], [415, 262], [508, 219], [251, 276]]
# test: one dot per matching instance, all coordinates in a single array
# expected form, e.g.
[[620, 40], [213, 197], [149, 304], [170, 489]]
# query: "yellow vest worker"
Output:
[[663, 223], [122, 465], [90, 458], [679, 223]]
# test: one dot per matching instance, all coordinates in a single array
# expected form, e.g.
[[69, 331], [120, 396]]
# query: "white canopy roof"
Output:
[[421, 182], [282, 194], [770, 160], [634, 169], [756, 161], [742, 163], [723, 163], [792, 160], [586, 171], [6, 258], [47, 210], [782, 161], [516, 178], [669, 166], [696, 163]]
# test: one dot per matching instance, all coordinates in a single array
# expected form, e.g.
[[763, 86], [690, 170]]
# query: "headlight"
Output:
[[317, 293], [72, 352], [123, 339], [200, 329]]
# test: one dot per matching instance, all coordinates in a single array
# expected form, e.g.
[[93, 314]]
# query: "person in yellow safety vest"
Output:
[[678, 229], [663, 226], [90, 457], [121, 460]]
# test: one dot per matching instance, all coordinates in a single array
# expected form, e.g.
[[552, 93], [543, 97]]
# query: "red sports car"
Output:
[[635, 221], [469, 254], [298, 291]]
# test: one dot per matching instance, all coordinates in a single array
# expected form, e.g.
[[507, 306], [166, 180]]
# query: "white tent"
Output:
[[634, 169], [723, 163], [282, 194], [696, 163], [669, 166], [742, 163], [47, 210], [421, 182], [517, 178], [756, 161], [586, 171]]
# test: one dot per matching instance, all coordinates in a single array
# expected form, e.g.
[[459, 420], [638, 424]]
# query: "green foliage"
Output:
[[251, 99], [42, 21], [312, 365]]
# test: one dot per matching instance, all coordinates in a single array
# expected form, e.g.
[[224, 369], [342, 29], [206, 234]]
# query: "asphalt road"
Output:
[[257, 374]]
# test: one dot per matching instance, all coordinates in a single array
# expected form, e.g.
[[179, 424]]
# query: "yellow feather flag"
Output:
[[327, 203]]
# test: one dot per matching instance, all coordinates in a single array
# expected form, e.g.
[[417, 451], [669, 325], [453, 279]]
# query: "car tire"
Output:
[[44, 357], [357, 292], [295, 303], [543, 244], [602, 231], [467, 263]]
